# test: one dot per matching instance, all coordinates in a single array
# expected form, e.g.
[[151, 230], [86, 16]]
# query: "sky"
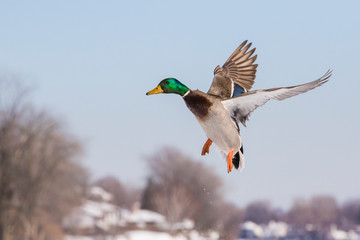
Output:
[[90, 63]]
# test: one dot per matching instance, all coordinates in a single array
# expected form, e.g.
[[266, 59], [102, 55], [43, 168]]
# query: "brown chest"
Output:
[[198, 104]]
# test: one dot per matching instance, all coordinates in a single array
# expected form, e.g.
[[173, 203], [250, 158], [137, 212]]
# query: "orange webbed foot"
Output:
[[229, 160], [206, 147]]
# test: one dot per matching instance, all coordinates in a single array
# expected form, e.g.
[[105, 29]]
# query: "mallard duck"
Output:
[[229, 101]]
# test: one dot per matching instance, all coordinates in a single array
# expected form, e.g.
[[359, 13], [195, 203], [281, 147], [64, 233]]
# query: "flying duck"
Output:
[[229, 101]]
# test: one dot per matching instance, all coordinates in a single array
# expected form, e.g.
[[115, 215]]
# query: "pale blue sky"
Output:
[[91, 63]]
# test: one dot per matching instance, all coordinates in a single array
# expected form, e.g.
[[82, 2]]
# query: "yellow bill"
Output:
[[156, 90]]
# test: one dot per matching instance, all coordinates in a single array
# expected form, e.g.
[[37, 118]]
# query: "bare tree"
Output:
[[319, 211], [325, 210], [259, 212], [350, 212], [300, 213], [180, 187], [40, 179], [231, 217]]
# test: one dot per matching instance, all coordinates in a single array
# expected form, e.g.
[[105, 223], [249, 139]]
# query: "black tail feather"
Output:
[[236, 158]]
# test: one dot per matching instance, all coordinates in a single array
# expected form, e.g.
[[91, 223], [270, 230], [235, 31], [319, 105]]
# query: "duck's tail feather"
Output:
[[239, 159], [236, 160]]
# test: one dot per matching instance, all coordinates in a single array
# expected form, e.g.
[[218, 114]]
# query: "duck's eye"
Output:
[[166, 82]]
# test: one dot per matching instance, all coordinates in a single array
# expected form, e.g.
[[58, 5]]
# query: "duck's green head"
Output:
[[169, 85]]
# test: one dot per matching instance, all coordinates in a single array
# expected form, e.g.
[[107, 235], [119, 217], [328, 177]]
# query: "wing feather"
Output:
[[243, 105], [239, 69], [240, 50]]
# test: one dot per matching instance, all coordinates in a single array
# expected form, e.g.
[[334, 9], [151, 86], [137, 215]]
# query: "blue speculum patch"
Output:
[[238, 90]]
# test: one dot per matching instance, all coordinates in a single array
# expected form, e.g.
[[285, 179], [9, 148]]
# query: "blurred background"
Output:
[[83, 150]]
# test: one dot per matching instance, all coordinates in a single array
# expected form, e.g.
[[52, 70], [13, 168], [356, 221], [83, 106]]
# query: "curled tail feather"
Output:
[[239, 159]]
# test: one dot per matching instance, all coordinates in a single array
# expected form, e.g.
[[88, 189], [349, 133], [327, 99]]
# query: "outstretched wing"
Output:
[[242, 106], [237, 75]]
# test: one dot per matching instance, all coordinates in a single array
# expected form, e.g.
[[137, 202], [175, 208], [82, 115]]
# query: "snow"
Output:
[[143, 216], [337, 234], [271, 230], [185, 224], [101, 193], [98, 209], [276, 229], [195, 235], [253, 227], [105, 215], [91, 214], [148, 235]]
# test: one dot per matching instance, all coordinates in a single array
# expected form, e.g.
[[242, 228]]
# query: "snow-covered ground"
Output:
[[147, 235], [280, 230], [100, 219], [95, 219], [132, 235]]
